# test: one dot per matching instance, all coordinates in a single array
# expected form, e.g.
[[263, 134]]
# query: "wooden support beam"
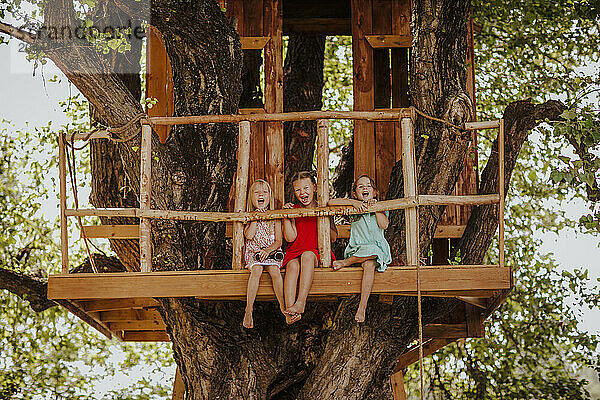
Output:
[[501, 191], [117, 304], [410, 190], [247, 111], [62, 175], [129, 314], [178, 386], [453, 280], [412, 354], [324, 238], [454, 331], [241, 191], [111, 231], [146, 336], [474, 318], [145, 198], [475, 301], [79, 313], [389, 41], [397, 382], [254, 42], [147, 325]]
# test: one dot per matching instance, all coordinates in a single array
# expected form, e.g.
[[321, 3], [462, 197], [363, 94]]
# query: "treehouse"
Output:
[[123, 304]]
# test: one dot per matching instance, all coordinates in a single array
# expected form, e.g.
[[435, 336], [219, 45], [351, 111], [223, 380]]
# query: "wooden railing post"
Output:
[[241, 188], [324, 235], [62, 175], [410, 190], [145, 197]]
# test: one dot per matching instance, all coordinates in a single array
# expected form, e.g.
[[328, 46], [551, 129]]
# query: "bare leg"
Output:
[[277, 284], [308, 262], [290, 282], [337, 264], [365, 290], [253, 281]]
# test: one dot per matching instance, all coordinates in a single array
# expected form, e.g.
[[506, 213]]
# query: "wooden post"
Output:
[[410, 190], [397, 382], [241, 188], [62, 176], [178, 386], [145, 197], [323, 191], [412, 221], [501, 192]]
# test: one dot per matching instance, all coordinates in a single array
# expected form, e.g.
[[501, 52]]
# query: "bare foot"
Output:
[[297, 308], [290, 319], [360, 316], [248, 321], [337, 264]]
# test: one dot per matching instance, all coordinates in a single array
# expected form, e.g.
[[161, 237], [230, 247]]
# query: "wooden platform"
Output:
[[124, 305]]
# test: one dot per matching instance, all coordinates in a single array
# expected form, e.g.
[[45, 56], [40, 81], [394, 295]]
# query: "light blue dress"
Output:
[[366, 239]]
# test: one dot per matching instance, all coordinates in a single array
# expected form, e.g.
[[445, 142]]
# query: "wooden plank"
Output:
[[145, 198], [102, 212], [475, 301], [477, 125], [235, 15], [129, 314], [273, 54], [323, 230], [62, 175], [246, 111], [157, 74], [117, 304], [241, 189], [254, 42], [501, 191], [410, 190], [150, 325], [412, 354], [447, 280], [178, 386], [474, 318], [257, 152], [385, 155], [450, 231], [146, 336], [397, 382], [389, 41], [363, 87], [111, 231], [453, 331]]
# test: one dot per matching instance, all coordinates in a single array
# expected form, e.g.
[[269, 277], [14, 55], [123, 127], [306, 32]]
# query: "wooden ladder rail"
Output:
[[145, 198], [324, 233], [241, 188]]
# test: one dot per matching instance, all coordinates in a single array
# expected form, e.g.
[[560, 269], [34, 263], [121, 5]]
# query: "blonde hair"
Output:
[[373, 185], [249, 204]]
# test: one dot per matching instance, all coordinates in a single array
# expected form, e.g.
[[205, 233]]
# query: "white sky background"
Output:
[[26, 98]]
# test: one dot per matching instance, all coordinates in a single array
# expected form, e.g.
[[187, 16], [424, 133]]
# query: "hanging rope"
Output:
[[443, 121], [420, 322], [73, 177]]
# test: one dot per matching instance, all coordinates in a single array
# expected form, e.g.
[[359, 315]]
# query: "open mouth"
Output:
[[260, 201], [304, 199]]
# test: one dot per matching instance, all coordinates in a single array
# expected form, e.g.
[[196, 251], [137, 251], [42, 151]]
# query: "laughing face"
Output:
[[364, 189], [261, 197], [304, 189]]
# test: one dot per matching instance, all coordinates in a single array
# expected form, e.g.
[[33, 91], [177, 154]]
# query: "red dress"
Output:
[[306, 239]]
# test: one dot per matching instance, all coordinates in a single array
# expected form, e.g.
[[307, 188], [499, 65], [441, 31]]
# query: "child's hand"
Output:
[[360, 206], [261, 209], [262, 255], [288, 205], [371, 202]]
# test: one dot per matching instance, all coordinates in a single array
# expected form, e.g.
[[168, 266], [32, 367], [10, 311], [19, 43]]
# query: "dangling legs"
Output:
[[253, 280], [290, 282], [308, 262], [277, 280], [365, 290], [337, 264]]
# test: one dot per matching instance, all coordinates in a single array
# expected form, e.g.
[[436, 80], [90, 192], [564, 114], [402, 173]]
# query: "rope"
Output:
[[113, 131], [73, 176], [443, 121]]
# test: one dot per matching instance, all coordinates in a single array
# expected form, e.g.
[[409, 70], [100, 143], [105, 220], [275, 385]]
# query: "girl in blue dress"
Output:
[[367, 245]]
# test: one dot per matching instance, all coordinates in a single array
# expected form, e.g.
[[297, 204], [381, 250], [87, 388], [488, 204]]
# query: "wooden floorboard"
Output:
[[474, 281]]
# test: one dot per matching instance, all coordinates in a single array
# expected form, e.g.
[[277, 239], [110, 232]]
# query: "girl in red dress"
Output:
[[302, 255], [263, 248]]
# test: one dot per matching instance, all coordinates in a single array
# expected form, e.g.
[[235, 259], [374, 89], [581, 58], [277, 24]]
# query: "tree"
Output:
[[275, 361]]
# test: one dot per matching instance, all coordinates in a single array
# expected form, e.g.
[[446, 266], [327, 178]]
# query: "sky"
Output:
[[28, 98]]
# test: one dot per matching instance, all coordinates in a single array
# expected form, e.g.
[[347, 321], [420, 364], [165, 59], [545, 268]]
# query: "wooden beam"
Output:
[[453, 331], [145, 198], [254, 42], [412, 354], [178, 386], [62, 175], [129, 315], [389, 41], [111, 231], [474, 318], [501, 192], [324, 233], [475, 301], [397, 382], [450, 280], [117, 304], [410, 190], [247, 111], [147, 325], [79, 313], [146, 336], [449, 231], [241, 191]]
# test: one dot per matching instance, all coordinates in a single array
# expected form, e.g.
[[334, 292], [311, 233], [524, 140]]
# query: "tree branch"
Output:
[[27, 288], [17, 33]]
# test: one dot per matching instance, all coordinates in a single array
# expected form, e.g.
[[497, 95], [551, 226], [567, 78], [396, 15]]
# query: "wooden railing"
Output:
[[410, 203]]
